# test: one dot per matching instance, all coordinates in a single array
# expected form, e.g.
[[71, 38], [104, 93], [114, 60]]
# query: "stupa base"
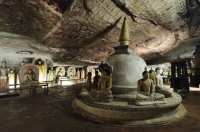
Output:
[[128, 114]]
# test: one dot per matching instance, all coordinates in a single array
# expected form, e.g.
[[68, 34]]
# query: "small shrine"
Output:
[[28, 75], [92, 70], [179, 78], [71, 72], [59, 74]]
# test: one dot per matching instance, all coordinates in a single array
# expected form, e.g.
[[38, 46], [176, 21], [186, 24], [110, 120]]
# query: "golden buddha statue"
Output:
[[60, 73], [152, 77], [104, 82], [41, 69], [71, 73], [11, 76]]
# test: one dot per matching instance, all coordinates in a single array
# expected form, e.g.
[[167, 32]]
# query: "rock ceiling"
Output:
[[84, 32]]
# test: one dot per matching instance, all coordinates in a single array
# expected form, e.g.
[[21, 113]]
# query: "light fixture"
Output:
[[24, 52]]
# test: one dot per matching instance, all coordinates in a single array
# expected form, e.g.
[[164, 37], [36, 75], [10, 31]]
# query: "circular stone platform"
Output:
[[128, 114]]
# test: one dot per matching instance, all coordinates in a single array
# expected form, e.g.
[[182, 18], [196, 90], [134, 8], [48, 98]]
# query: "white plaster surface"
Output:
[[127, 69]]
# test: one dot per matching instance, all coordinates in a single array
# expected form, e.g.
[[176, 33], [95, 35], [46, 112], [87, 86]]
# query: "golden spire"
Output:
[[124, 36]]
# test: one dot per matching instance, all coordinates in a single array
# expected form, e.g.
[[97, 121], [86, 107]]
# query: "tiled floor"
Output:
[[53, 113]]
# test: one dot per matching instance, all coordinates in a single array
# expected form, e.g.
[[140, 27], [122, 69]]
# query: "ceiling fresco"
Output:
[[84, 32]]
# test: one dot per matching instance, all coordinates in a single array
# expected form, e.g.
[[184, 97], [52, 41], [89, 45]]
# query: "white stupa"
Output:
[[127, 67]]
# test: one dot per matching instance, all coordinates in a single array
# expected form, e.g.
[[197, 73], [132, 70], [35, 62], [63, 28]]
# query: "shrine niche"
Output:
[[60, 73], [71, 72], [92, 70], [42, 67], [28, 74], [165, 75]]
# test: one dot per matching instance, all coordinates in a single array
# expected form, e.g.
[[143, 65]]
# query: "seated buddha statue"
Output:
[[146, 94], [30, 76], [60, 73], [105, 83], [159, 87], [152, 77], [103, 90], [86, 89]]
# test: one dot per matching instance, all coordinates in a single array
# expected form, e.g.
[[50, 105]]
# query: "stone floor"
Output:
[[53, 113]]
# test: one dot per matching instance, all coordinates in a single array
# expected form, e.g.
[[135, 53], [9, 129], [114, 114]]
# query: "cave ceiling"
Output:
[[84, 32]]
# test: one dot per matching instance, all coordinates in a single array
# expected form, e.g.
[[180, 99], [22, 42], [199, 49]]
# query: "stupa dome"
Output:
[[127, 70]]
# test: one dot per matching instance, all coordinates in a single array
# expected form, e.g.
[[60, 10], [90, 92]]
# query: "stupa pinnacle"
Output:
[[124, 39], [124, 36]]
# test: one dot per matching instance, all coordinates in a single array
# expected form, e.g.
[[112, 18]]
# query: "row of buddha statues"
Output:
[[9, 77], [54, 73], [150, 88], [71, 73], [38, 66]]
